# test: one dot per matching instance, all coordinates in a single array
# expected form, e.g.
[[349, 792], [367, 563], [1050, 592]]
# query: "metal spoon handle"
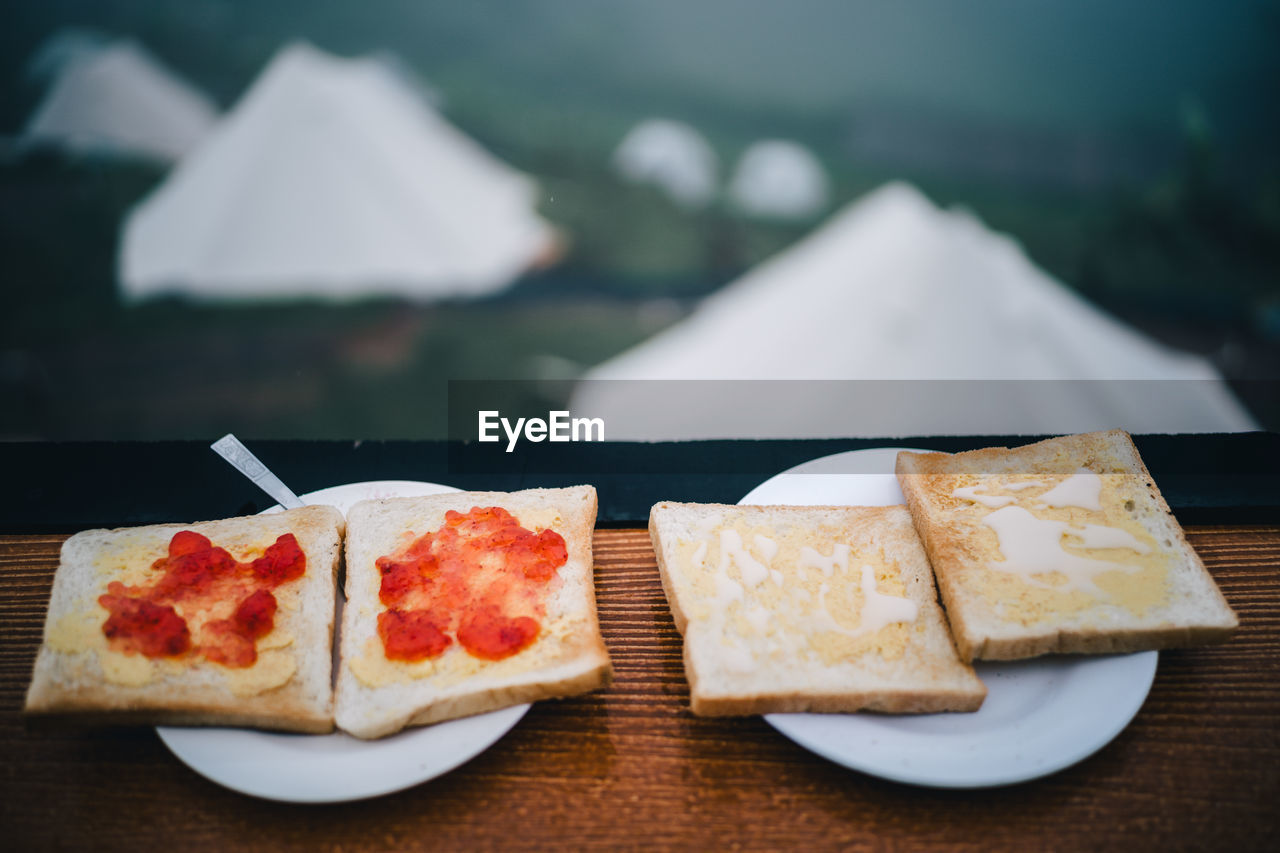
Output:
[[230, 449]]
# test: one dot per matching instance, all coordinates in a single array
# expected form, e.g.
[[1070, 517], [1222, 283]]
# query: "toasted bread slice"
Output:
[[446, 567], [1065, 545], [283, 681], [807, 609]]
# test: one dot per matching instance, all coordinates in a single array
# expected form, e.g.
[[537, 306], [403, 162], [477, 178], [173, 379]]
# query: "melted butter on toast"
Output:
[[1054, 545], [770, 594]]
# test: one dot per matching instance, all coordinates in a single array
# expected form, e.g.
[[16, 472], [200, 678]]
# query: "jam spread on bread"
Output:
[[229, 602], [480, 579], [139, 625]]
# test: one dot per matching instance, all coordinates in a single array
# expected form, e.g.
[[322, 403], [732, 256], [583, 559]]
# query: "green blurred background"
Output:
[[1133, 149]]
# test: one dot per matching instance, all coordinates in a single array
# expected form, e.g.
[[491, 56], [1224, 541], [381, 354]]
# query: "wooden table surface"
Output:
[[630, 767]]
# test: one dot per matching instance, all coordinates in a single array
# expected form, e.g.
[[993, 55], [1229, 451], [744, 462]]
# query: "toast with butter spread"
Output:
[[788, 609], [467, 602], [1065, 545], [225, 622]]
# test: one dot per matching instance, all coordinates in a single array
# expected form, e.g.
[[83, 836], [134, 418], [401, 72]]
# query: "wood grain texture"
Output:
[[629, 767]]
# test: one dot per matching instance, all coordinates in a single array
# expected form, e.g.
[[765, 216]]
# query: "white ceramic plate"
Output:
[[337, 767], [1040, 715]]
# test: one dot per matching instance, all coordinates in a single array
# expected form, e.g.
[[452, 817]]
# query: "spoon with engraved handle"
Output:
[[230, 449]]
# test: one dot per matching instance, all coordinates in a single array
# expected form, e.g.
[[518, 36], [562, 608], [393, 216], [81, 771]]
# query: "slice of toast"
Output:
[[467, 602], [150, 625], [1065, 545], [788, 609]]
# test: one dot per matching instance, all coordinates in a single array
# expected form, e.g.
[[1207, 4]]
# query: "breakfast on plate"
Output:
[[458, 603], [787, 609], [466, 602], [1065, 545], [224, 622]]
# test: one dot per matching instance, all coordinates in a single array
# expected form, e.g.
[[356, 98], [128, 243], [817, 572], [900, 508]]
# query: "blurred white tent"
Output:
[[949, 325], [333, 178], [673, 157], [115, 98], [780, 179]]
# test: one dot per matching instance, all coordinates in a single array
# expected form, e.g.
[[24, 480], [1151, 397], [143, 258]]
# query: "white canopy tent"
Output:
[[673, 157], [115, 98], [333, 178], [779, 179], [906, 320]]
